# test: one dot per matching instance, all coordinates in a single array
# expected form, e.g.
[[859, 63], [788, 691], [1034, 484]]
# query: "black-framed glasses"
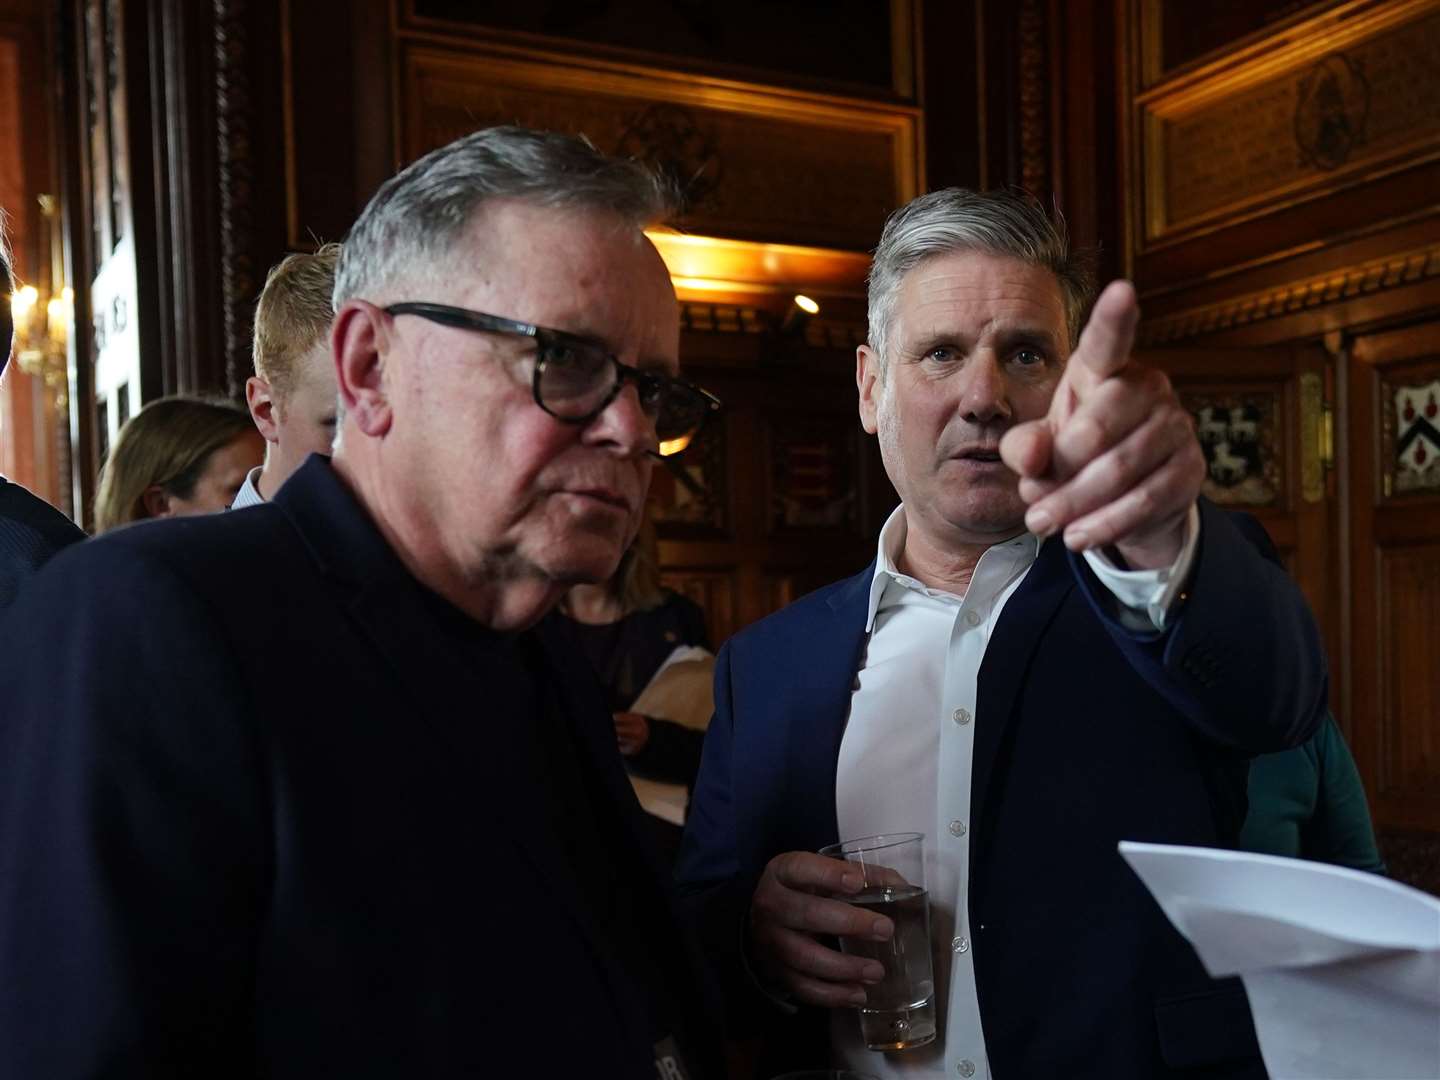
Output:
[[576, 378]]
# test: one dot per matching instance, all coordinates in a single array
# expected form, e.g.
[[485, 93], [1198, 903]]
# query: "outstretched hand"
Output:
[[1115, 461]]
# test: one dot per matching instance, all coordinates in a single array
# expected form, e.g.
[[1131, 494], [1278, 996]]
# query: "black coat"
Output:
[[268, 808], [31, 530]]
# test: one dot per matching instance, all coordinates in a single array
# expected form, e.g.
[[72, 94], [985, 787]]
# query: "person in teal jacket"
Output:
[[1308, 803]]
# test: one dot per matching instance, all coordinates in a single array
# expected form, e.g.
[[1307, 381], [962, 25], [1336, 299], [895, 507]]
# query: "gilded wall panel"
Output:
[[1320, 109], [755, 163]]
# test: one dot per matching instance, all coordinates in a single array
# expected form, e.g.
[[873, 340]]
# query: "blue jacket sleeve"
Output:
[[1242, 658]]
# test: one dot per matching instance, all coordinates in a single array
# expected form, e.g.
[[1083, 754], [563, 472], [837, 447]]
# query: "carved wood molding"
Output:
[[1363, 279], [236, 181], [735, 319], [1034, 100]]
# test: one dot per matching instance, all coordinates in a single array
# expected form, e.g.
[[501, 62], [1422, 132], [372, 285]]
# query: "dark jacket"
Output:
[[1085, 735], [1309, 803], [269, 808], [31, 530]]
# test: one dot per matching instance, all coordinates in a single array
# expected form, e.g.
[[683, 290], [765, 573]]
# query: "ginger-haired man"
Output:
[[292, 393]]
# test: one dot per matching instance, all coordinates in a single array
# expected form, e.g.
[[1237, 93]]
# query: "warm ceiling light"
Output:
[[22, 303], [799, 313]]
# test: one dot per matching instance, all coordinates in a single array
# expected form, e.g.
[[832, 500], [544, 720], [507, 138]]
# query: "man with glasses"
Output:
[[367, 818]]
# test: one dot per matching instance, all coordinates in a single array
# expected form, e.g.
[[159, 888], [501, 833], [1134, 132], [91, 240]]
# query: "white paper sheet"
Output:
[[680, 691], [1342, 968]]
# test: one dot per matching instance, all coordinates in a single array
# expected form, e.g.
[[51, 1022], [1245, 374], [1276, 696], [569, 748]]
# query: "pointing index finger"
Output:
[[1105, 344]]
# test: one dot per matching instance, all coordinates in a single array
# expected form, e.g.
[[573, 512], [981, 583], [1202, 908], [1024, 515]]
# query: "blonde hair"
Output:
[[294, 313], [168, 442], [636, 581]]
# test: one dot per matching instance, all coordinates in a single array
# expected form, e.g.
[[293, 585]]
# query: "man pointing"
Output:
[[1058, 646]]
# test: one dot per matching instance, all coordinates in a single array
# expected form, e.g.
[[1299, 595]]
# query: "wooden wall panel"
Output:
[[757, 163], [1395, 571], [1288, 178], [864, 46], [1258, 417], [715, 589], [1410, 678], [1350, 105]]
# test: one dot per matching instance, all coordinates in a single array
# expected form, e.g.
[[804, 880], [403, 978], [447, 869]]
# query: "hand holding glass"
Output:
[[899, 1012]]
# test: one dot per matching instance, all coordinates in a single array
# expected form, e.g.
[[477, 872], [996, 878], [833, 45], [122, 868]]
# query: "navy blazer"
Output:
[[1086, 735], [260, 815], [31, 531]]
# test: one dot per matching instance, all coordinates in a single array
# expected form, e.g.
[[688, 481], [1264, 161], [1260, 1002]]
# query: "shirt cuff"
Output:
[[1146, 596]]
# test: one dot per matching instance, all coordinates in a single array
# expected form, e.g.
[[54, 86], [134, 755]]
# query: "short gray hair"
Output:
[[1009, 224], [411, 223]]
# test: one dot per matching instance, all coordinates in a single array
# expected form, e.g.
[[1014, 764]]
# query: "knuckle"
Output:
[[1088, 433], [1143, 501], [1123, 462]]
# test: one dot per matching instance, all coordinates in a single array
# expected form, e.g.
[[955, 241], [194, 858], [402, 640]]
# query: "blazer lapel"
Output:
[[832, 652], [1007, 660]]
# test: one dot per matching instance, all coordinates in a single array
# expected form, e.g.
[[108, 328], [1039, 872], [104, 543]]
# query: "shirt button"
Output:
[[960, 944], [960, 716], [965, 1068], [957, 828], [973, 618]]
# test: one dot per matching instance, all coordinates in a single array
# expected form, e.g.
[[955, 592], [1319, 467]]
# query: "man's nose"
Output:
[[984, 391], [623, 425]]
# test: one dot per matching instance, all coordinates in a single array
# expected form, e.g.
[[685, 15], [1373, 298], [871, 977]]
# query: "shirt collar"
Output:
[[249, 493], [892, 543]]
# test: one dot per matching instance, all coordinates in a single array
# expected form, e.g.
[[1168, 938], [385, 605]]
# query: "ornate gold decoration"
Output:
[[44, 319], [733, 319], [232, 129], [1327, 105], [798, 167], [1034, 101], [1377, 275]]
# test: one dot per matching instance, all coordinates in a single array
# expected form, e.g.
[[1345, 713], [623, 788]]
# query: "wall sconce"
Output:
[[44, 320], [42, 336], [787, 334], [793, 325]]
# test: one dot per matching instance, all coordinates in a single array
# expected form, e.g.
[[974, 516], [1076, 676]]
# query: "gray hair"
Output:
[[410, 225], [1009, 224], [7, 290]]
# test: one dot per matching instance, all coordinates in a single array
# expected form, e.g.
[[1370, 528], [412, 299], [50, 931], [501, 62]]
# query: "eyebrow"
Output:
[[1009, 339], [1006, 339]]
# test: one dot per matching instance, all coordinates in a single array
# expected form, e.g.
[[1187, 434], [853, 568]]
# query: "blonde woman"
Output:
[[176, 456]]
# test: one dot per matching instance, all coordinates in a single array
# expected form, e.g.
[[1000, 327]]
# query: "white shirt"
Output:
[[249, 493], [906, 756]]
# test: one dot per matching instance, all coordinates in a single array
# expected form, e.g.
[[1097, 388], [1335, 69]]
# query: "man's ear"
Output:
[[156, 501], [359, 340], [870, 381], [261, 400]]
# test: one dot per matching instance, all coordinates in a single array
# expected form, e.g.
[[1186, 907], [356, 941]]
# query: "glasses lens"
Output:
[[576, 378], [680, 413]]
